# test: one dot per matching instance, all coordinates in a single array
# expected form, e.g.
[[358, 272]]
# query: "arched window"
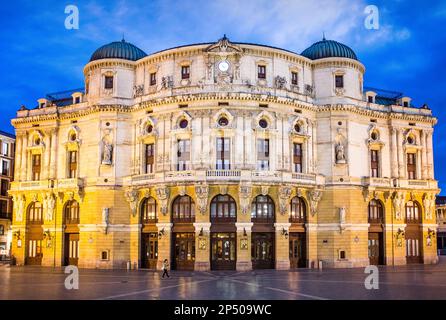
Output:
[[298, 210], [412, 212], [223, 209], [183, 209], [71, 212], [35, 213], [376, 211], [262, 210], [148, 211]]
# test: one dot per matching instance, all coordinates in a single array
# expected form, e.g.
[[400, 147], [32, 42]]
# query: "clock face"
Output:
[[223, 66]]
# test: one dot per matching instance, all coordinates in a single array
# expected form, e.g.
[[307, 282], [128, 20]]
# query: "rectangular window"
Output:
[[72, 164], [153, 78], [294, 78], [3, 208], [36, 166], [374, 163], [108, 82], [370, 99], [261, 72], [339, 81], [406, 104], [262, 154], [4, 187], [5, 168], [223, 154], [77, 100], [185, 72], [411, 166], [183, 155], [5, 149], [150, 157], [297, 157]]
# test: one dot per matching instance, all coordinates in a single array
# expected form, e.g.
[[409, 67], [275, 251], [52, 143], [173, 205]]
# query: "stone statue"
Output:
[[340, 155], [20, 208], [280, 82], [50, 205], [107, 153], [105, 216], [166, 82], [342, 215]]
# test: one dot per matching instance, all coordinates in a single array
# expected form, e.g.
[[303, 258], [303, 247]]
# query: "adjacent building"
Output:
[[441, 219], [7, 147], [224, 156]]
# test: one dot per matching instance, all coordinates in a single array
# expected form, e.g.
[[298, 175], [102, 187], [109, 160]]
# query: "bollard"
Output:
[[128, 265]]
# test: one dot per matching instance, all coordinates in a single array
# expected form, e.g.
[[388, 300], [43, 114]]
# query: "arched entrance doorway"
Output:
[[376, 232], [413, 233], [263, 233], [149, 233], [223, 233], [71, 233], [34, 221], [298, 235], [183, 236]]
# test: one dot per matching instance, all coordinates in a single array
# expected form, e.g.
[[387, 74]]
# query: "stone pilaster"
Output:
[[244, 262], [282, 244], [202, 246]]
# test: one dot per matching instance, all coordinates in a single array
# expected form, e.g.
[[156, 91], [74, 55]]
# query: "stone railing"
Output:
[[418, 184], [30, 185], [69, 183], [377, 182]]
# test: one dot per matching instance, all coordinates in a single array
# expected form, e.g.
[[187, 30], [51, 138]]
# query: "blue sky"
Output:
[[405, 54]]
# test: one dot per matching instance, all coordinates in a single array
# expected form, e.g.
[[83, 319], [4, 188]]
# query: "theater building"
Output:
[[224, 155]]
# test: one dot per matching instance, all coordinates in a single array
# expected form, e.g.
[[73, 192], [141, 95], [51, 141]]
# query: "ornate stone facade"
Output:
[[225, 155]]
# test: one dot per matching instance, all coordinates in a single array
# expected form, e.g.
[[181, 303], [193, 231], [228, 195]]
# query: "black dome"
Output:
[[118, 50], [328, 49]]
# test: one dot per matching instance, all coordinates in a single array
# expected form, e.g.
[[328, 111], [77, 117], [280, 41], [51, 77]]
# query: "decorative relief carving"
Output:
[[166, 82], [284, 197], [429, 205], [19, 207], [162, 194], [131, 195], [342, 219], [49, 204], [202, 192], [314, 196], [245, 197], [138, 90], [279, 82], [398, 202]]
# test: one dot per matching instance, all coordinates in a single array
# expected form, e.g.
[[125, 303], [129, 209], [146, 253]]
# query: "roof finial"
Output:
[[123, 40], [323, 36]]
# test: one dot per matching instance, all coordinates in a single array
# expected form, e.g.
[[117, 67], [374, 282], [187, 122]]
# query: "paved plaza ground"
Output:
[[406, 282]]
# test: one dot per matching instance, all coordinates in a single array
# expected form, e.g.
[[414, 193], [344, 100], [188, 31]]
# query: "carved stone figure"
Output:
[[314, 196], [166, 82], [340, 155], [245, 197], [131, 196], [138, 90], [106, 218], [20, 209], [284, 196], [429, 205], [342, 215], [398, 204], [279, 82], [50, 206], [107, 153], [202, 192], [163, 193]]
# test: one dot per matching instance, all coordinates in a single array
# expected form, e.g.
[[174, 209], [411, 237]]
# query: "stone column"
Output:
[[309, 152], [430, 158], [46, 155], [24, 163], [53, 151], [423, 155], [401, 166], [314, 145], [244, 262], [282, 254], [394, 153], [202, 246], [164, 243], [419, 164], [18, 155]]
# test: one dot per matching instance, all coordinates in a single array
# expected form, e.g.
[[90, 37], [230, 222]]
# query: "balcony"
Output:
[[31, 185], [224, 175], [71, 183], [377, 182]]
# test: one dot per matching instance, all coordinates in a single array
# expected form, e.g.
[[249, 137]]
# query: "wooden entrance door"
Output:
[[376, 248], [149, 250], [298, 250], [223, 251], [184, 251], [71, 249], [262, 250], [34, 252], [414, 245]]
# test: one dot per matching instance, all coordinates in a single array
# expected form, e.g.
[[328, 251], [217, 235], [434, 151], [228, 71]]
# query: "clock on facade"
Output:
[[223, 66]]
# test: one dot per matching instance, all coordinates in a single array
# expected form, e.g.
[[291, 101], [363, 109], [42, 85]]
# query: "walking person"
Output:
[[165, 268]]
